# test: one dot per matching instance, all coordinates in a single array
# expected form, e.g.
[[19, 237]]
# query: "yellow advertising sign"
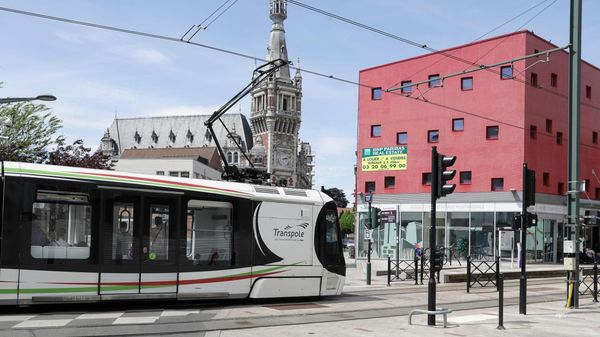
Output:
[[384, 158]]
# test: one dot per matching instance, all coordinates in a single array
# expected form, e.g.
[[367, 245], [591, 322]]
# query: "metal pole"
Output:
[[497, 272], [500, 302], [468, 273], [369, 249], [595, 281], [389, 270], [416, 269], [523, 257], [422, 265], [574, 136], [432, 220]]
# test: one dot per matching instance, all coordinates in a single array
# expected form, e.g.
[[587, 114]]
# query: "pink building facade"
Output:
[[493, 121]]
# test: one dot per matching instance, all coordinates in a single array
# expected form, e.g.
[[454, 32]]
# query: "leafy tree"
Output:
[[77, 155], [347, 222], [27, 131], [338, 196]]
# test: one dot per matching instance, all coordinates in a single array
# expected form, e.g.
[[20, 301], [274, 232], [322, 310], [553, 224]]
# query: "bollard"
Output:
[[595, 281], [416, 270], [500, 302], [497, 272], [389, 270], [422, 267], [468, 273]]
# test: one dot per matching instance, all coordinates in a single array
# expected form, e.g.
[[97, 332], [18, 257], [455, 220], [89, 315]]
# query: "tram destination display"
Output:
[[384, 158]]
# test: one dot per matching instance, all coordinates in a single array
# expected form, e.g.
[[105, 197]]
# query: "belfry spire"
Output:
[[277, 48]]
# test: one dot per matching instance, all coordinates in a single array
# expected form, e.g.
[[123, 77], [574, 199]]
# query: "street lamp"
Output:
[[46, 97]]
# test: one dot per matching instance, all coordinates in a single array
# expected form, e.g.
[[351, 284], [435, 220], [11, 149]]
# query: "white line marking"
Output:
[[43, 323], [15, 318], [135, 320], [471, 318], [101, 316], [174, 313]]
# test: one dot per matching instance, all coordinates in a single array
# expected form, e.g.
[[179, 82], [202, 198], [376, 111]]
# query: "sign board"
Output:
[[368, 233], [387, 216], [569, 247], [391, 158], [570, 263], [369, 197]]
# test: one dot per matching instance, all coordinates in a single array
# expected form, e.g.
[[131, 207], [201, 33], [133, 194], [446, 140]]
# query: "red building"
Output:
[[493, 121]]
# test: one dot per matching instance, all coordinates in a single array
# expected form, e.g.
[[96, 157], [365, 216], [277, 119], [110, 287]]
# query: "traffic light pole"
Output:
[[523, 257], [432, 243], [369, 249]]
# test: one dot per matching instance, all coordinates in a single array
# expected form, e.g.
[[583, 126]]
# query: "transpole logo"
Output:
[[291, 232]]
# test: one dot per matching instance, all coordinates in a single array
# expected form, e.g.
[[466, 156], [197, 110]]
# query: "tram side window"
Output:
[[332, 240], [209, 232], [61, 226], [122, 241]]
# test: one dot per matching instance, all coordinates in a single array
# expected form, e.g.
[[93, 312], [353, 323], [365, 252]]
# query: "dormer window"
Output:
[[172, 137], [189, 136], [137, 137], [154, 137]]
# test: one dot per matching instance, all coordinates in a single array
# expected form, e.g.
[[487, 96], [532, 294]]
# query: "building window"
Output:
[[597, 193], [553, 80], [137, 137], [588, 92], [154, 137], [491, 132], [160, 173], [435, 81], [506, 72], [561, 189], [172, 137], [465, 177], [532, 131], [426, 178], [376, 93], [466, 83], [402, 138], [549, 125], [370, 187], [595, 137], [559, 138], [587, 185], [534, 80], [189, 136], [458, 124], [174, 173], [185, 174], [546, 179], [406, 90], [497, 184], [375, 130], [433, 136], [390, 182]]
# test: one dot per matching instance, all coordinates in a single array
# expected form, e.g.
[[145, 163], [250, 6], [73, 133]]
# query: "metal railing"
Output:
[[588, 281], [402, 270], [425, 259], [482, 273]]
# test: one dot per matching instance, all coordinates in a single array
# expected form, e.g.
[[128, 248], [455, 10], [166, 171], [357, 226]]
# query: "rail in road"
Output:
[[183, 321]]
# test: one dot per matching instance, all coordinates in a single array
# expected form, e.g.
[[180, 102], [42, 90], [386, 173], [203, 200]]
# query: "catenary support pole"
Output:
[[369, 248], [523, 257], [432, 244]]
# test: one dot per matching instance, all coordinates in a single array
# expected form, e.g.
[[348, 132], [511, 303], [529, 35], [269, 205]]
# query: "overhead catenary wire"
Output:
[[254, 58], [201, 26]]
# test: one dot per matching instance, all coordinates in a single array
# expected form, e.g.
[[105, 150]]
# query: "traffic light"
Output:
[[533, 219], [516, 223], [528, 188], [375, 217], [437, 260], [591, 218], [443, 175]]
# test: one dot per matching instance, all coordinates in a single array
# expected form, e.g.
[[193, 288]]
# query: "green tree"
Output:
[[27, 131], [347, 222], [77, 155], [338, 196]]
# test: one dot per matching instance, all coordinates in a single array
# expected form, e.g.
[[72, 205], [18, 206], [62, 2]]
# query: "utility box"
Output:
[[569, 247], [569, 263]]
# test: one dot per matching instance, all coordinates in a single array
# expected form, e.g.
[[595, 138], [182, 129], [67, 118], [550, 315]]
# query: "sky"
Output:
[[97, 74]]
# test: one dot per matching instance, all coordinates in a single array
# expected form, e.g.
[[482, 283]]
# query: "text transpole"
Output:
[[288, 234]]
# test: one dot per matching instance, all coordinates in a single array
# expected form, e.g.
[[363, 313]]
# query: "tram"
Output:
[[81, 235]]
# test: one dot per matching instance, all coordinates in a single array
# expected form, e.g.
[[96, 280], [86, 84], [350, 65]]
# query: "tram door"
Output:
[[138, 246]]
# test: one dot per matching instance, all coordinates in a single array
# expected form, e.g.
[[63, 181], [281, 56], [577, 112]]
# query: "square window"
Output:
[[497, 184], [465, 177], [506, 72], [546, 179], [160, 173], [597, 193], [426, 178], [173, 173], [532, 131], [402, 138], [370, 187], [185, 174], [491, 132], [559, 138], [560, 189], [435, 81], [407, 89], [466, 83], [549, 125], [534, 80], [595, 137], [376, 93], [587, 185], [588, 92], [433, 136], [554, 80], [375, 130], [458, 124], [390, 182]]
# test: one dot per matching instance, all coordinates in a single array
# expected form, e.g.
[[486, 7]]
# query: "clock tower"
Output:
[[276, 107]]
